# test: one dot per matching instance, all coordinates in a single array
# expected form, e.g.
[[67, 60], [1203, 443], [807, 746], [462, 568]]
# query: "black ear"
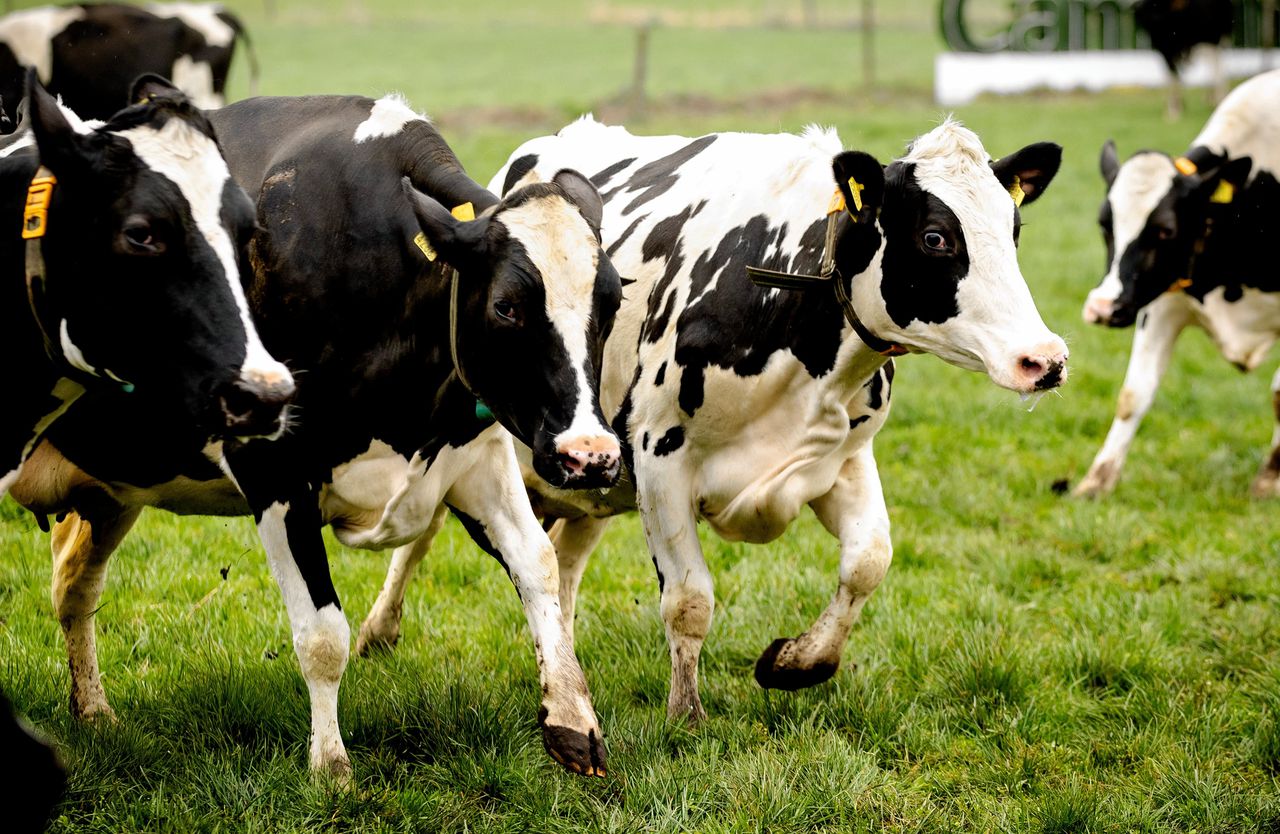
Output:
[[1222, 184], [59, 145], [454, 241], [148, 86], [1034, 167], [1109, 162], [582, 194], [860, 178]]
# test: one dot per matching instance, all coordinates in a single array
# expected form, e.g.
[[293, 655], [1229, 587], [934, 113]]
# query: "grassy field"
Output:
[[1031, 663]]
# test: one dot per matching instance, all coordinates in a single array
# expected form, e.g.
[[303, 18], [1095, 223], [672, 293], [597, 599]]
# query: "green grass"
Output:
[[1030, 664]]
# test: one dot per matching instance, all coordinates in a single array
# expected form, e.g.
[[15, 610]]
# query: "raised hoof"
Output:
[[576, 752], [775, 673], [371, 641]]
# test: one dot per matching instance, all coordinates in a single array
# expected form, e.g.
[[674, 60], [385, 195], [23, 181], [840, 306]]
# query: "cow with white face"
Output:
[[421, 307], [1189, 243], [739, 404]]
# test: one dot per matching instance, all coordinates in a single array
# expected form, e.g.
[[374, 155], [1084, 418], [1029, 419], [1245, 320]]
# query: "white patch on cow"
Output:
[[562, 246], [203, 17], [387, 117], [195, 78], [998, 322], [30, 35], [191, 160], [1140, 184], [73, 353], [1247, 123]]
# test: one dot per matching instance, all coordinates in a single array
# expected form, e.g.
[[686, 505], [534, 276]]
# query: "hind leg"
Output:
[[1267, 483], [574, 540], [82, 543], [381, 629]]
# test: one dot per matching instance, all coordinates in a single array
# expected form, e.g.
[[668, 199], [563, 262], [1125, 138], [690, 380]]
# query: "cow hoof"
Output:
[[94, 712], [692, 714], [576, 752], [372, 640], [777, 669], [1266, 485], [1090, 488], [336, 772]]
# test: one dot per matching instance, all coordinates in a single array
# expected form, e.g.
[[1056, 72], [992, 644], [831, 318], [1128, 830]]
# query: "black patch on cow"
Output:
[[859, 420], [875, 387], [669, 442], [518, 169], [660, 376], [644, 442], [657, 177], [692, 388], [601, 179], [626, 234], [1233, 293], [302, 526], [918, 284], [478, 535], [662, 580], [1142, 321], [665, 235]]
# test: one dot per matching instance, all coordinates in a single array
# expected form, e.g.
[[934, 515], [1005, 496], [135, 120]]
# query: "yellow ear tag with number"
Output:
[[464, 212], [837, 204], [1185, 166], [1016, 192], [855, 191], [1225, 193]]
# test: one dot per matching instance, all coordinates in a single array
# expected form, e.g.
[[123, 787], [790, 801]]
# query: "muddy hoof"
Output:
[[1266, 485], [774, 669], [335, 772], [370, 642], [576, 752]]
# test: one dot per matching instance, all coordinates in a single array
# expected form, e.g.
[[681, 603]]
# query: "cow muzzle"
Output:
[[1097, 310], [256, 404], [589, 462], [1042, 368]]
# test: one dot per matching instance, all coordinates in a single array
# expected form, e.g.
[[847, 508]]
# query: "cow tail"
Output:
[[242, 34]]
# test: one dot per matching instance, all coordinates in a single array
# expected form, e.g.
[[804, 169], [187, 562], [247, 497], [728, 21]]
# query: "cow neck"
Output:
[[829, 274]]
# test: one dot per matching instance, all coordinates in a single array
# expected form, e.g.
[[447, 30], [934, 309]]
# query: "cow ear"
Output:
[[1222, 184], [454, 241], [148, 86], [1109, 162], [860, 178], [582, 194], [1030, 169], [59, 145]]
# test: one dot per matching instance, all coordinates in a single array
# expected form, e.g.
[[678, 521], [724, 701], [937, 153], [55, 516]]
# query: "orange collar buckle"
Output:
[[35, 216]]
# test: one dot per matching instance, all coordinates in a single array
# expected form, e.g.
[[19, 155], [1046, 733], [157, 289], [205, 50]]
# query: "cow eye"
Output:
[[505, 310], [138, 238], [935, 241], [1164, 232]]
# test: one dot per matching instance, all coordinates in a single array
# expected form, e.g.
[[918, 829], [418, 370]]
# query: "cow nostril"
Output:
[[1031, 366]]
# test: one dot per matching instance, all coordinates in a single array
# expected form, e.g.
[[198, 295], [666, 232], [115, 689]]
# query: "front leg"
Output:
[[490, 501], [381, 629], [854, 512], [664, 496], [1153, 340], [1267, 483], [291, 534]]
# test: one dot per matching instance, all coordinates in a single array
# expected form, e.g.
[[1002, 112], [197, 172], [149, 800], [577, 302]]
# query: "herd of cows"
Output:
[[305, 310]]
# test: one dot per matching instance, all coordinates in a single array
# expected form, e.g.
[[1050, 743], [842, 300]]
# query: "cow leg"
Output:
[[381, 629], [688, 594], [82, 542], [1267, 484], [1173, 108], [491, 502], [291, 535], [574, 540], [854, 512], [1153, 341]]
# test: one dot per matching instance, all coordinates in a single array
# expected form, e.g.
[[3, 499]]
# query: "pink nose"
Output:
[[1097, 310], [1042, 370], [599, 455]]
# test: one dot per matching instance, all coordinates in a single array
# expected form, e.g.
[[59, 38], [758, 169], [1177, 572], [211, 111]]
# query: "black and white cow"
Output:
[[128, 280], [401, 316], [1190, 243], [1178, 26], [739, 405], [90, 53], [35, 780]]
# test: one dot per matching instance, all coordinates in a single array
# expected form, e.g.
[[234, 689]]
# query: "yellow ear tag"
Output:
[[855, 191], [1179, 285], [1225, 193], [837, 203], [465, 212], [1016, 192], [1185, 166], [35, 215]]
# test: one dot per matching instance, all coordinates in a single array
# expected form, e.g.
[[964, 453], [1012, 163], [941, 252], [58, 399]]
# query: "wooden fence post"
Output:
[[868, 45], [640, 72]]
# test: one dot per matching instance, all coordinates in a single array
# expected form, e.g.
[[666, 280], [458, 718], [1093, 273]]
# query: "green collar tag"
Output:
[[483, 414]]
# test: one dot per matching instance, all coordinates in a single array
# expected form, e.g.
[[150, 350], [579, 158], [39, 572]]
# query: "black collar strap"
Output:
[[798, 281]]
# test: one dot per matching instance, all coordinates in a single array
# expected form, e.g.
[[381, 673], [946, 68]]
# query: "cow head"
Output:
[[143, 250], [948, 281], [537, 298], [1155, 221]]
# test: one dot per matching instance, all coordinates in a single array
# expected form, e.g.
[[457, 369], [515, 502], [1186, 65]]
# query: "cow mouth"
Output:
[[562, 472]]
